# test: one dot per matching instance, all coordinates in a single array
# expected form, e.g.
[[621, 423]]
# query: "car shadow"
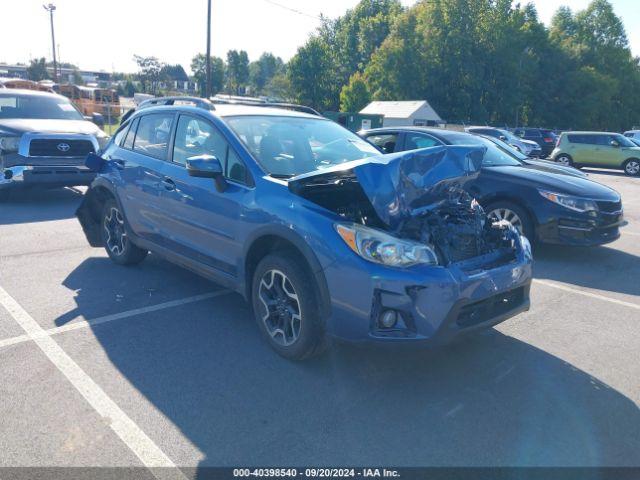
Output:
[[607, 172], [491, 400], [40, 205], [603, 268]]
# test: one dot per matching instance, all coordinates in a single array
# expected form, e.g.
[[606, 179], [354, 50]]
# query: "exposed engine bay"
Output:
[[417, 196]]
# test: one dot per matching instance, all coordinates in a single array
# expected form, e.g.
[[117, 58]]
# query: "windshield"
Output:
[[624, 141], [496, 156], [289, 146], [510, 136], [37, 107]]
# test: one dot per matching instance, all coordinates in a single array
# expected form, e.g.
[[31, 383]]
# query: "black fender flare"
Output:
[[295, 239]]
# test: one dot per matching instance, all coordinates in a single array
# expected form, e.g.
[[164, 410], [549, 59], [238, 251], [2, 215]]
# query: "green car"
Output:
[[598, 149]]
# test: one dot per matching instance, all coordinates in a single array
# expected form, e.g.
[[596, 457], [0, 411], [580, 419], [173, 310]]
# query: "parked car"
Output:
[[529, 148], [547, 202], [598, 149], [545, 138], [636, 141], [308, 222], [635, 134], [44, 140]]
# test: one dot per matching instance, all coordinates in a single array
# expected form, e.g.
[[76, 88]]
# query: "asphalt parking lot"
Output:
[[102, 365]]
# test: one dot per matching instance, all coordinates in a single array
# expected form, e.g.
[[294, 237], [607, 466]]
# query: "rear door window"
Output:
[[152, 136], [414, 141]]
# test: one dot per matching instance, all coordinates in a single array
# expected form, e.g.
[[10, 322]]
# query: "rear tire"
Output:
[[632, 167], [116, 241], [514, 214], [286, 307]]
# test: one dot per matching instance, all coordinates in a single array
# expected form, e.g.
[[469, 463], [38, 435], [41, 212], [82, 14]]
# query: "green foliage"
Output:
[[262, 71], [37, 70], [312, 75], [355, 96], [237, 71], [199, 69], [150, 73]]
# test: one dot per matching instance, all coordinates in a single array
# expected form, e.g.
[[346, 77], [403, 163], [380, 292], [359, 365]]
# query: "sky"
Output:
[[105, 34]]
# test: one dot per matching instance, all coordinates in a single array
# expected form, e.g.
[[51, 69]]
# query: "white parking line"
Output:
[[635, 234], [144, 448], [586, 294], [116, 316]]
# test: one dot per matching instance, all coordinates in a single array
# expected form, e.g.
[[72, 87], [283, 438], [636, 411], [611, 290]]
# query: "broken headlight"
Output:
[[379, 247], [572, 203]]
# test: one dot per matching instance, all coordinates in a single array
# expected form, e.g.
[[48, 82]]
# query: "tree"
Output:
[[263, 70], [237, 71], [355, 96], [150, 72], [37, 70], [312, 75], [199, 69]]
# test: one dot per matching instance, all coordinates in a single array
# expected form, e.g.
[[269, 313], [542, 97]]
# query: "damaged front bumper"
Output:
[[433, 305]]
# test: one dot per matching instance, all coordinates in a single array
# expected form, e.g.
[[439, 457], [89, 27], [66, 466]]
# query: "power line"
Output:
[[304, 14]]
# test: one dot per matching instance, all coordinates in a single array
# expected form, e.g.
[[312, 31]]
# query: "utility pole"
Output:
[[51, 8], [207, 89]]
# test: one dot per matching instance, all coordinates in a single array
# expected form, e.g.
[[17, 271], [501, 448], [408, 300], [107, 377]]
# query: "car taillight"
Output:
[[548, 139]]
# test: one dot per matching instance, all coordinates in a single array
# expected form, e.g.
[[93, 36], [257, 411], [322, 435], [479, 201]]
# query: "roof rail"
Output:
[[197, 101], [253, 102]]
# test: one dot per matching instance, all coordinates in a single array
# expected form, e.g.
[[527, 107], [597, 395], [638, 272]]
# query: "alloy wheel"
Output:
[[632, 167], [510, 216], [564, 160], [282, 314], [116, 238]]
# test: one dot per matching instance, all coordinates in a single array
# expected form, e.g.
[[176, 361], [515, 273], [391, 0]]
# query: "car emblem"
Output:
[[63, 147]]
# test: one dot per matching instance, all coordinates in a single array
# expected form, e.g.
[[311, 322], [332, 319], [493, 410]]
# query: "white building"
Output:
[[406, 113]]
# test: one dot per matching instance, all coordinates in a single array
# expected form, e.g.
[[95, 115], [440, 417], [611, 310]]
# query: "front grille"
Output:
[[489, 308], [609, 207], [46, 147]]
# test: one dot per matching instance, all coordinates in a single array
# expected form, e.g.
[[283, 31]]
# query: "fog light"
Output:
[[388, 319], [8, 174]]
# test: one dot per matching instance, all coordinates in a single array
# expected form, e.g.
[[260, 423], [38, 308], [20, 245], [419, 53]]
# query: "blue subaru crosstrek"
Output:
[[323, 235]]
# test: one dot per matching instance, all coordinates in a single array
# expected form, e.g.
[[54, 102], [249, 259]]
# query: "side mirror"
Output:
[[207, 166], [614, 143], [503, 138]]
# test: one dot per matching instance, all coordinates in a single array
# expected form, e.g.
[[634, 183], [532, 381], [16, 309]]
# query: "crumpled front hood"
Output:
[[403, 185], [37, 125]]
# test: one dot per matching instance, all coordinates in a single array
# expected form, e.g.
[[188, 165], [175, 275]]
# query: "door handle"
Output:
[[119, 164], [168, 184]]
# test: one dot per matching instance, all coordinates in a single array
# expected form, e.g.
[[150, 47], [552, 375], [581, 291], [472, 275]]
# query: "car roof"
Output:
[[591, 133], [442, 133], [232, 110]]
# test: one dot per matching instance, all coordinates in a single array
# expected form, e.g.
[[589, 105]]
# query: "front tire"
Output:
[[116, 241], [632, 167], [286, 307], [514, 214]]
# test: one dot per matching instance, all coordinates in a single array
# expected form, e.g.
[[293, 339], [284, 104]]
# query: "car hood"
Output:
[[541, 177], [552, 167], [24, 125], [401, 185]]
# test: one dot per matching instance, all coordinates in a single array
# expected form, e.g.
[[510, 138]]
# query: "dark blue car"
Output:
[[323, 235], [547, 202]]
